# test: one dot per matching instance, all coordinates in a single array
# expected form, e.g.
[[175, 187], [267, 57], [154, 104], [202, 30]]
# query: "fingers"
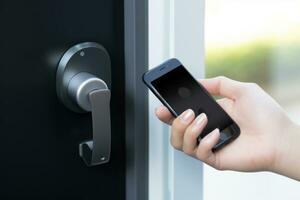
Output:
[[185, 133], [179, 126], [192, 133], [164, 115], [223, 86], [226, 104], [185, 136], [204, 150]]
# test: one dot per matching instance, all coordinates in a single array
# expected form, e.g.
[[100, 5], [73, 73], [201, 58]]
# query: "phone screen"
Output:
[[181, 91]]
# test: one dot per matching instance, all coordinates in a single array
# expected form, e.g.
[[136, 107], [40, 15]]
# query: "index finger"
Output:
[[222, 86], [164, 115]]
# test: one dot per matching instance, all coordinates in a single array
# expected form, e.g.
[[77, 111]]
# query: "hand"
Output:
[[265, 129]]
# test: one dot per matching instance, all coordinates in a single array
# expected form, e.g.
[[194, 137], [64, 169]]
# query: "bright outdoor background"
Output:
[[256, 41]]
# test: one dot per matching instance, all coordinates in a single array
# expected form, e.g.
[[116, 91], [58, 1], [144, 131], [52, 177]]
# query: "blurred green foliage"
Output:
[[248, 62]]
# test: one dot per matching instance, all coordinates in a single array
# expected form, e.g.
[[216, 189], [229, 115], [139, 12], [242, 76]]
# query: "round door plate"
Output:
[[87, 57]]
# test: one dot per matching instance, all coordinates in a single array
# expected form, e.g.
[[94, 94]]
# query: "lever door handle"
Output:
[[97, 151], [83, 79], [92, 95]]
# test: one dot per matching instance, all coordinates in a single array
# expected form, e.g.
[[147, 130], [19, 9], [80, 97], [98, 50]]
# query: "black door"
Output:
[[39, 135]]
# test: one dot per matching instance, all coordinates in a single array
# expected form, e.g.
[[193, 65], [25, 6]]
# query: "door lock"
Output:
[[83, 82]]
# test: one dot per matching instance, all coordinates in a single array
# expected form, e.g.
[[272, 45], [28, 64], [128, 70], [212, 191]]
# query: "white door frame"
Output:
[[176, 29]]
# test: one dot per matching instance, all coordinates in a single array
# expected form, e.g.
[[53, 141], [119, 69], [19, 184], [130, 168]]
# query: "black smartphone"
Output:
[[178, 90]]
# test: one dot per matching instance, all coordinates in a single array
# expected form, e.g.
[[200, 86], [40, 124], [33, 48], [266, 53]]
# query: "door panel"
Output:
[[39, 135]]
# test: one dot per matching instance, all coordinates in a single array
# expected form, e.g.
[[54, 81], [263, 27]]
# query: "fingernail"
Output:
[[187, 116], [198, 122], [214, 132]]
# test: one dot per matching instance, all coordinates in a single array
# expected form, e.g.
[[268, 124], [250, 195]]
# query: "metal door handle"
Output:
[[93, 95], [80, 88], [97, 151]]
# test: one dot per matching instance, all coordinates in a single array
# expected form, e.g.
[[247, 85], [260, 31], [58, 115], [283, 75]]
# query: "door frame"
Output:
[[136, 98], [179, 167], [176, 29]]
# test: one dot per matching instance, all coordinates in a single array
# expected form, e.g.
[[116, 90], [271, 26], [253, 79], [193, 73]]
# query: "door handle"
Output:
[[81, 89], [93, 95]]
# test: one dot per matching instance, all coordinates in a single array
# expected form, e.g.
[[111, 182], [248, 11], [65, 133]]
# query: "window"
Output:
[[256, 41]]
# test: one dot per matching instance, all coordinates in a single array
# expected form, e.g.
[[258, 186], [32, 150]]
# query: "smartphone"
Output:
[[178, 90]]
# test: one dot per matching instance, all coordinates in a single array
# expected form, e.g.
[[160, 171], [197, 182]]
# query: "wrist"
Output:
[[286, 160]]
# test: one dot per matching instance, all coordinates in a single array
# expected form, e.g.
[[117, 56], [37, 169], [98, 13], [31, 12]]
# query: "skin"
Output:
[[269, 140]]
